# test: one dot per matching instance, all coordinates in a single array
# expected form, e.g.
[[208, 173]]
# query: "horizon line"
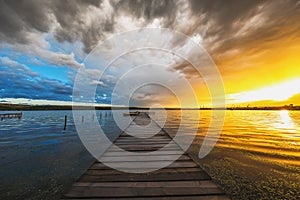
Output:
[[10, 106]]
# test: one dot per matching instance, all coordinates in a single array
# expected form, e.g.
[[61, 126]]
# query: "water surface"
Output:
[[257, 155], [38, 159]]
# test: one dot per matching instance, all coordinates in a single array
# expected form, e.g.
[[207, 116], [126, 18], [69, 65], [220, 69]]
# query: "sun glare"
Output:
[[279, 92], [285, 121]]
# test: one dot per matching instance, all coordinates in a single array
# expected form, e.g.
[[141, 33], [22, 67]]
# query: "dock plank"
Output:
[[206, 197], [96, 176]]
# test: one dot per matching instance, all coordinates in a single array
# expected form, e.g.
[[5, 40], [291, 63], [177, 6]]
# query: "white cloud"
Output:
[[39, 47], [95, 82], [17, 67], [47, 102]]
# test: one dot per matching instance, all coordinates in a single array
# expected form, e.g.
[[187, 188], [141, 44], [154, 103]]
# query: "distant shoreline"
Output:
[[21, 107]]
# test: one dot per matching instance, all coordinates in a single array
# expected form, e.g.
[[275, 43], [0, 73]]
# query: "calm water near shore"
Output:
[[256, 157], [38, 160]]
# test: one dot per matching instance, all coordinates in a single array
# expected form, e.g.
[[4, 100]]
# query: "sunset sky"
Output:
[[254, 44]]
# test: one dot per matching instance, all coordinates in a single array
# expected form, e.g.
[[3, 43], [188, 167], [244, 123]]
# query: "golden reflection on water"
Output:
[[271, 135], [285, 122]]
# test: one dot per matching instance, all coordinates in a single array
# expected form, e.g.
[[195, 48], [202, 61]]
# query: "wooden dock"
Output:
[[183, 179], [10, 115]]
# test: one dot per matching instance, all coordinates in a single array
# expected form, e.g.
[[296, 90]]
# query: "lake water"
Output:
[[256, 157]]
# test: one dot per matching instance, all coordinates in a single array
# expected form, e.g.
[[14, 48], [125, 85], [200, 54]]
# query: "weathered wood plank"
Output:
[[88, 191], [157, 135], [165, 197], [144, 142], [149, 165], [129, 137], [144, 148], [160, 171], [152, 184], [146, 145], [97, 176], [117, 153], [143, 158]]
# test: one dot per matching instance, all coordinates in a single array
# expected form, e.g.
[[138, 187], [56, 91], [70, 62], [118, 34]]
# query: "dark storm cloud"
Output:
[[224, 12], [149, 10], [71, 17], [186, 68], [274, 20], [224, 25], [220, 16], [17, 17], [20, 17]]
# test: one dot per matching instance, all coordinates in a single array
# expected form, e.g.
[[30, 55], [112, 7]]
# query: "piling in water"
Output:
[[65, 125]]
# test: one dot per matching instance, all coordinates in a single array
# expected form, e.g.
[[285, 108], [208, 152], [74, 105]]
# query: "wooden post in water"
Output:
[[100, 115], [65, 125], [93, 117], [82, 119]]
